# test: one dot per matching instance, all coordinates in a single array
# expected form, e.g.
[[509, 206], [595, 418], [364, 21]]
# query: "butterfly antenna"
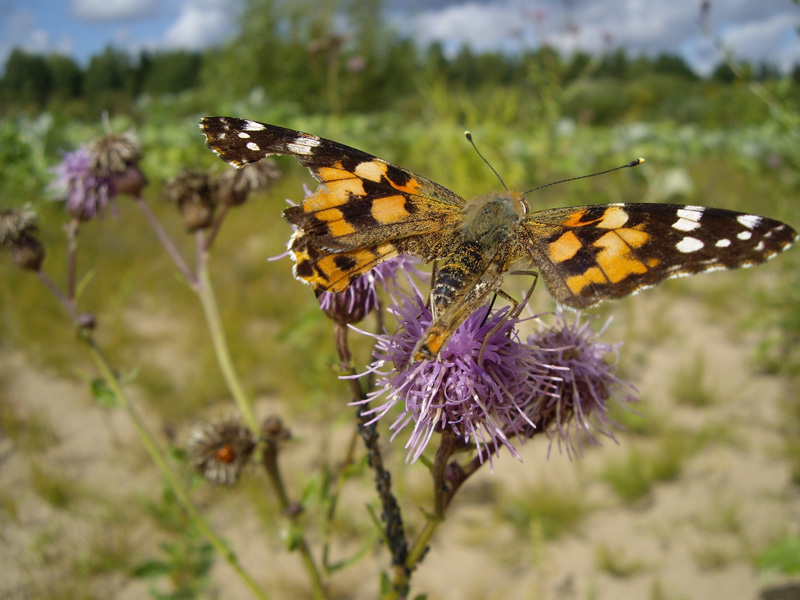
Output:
[[488, 164], [633, 163]]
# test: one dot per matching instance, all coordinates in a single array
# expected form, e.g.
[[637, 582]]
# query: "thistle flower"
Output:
[[235, 185], [86, 192], [114, 153], [586, 380], [18, 233], [361, 298], [479, 387], [193, 193], [219, 450]]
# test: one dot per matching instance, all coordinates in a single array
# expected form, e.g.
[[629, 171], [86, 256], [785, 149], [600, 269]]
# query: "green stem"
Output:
[[274, 473], [219, 341], [157, 456]]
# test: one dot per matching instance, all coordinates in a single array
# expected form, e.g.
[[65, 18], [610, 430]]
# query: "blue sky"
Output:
[[754, 29]]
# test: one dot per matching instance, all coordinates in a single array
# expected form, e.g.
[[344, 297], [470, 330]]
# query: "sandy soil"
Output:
[[665, 540]]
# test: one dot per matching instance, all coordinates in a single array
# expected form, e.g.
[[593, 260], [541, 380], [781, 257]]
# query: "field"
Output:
[[698, 497]]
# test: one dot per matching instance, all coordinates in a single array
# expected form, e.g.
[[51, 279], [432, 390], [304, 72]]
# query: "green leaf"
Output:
[[312, 492], [152, 568], [366, 547], [84, 281], [782, 557], [103, 394]]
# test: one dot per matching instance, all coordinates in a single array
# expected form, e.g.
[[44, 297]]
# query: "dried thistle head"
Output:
[[219, 449], [194, 194], [112, 154], [18, 233], [236, 184]]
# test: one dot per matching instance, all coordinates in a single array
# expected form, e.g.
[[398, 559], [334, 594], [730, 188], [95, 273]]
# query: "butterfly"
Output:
[[367, 210]]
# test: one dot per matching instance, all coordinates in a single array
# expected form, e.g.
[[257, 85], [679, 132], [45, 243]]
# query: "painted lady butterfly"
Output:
[[367, 210]]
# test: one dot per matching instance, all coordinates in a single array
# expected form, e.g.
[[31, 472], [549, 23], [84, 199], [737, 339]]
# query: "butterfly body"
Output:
[[367, 210]]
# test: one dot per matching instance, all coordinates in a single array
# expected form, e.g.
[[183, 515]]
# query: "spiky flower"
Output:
[[235, 185], [18, 233], [479, 387], [219, 450], [361, 298], [587, 379], [86, 192], [193, 193]]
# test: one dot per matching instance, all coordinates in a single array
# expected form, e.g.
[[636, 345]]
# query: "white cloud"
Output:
[[202, 23], [755, 31], [774, 37], [21, 30], [113, 10]]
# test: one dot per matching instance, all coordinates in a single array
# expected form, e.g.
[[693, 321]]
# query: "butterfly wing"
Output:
[[587, 254], [365, 210]]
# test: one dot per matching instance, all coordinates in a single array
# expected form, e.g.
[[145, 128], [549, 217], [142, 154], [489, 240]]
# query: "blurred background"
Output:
[[700, 498]]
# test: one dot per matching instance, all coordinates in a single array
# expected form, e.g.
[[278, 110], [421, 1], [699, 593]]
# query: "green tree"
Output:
[[28, 80], [66, 77], [170, 72], [108, 72]]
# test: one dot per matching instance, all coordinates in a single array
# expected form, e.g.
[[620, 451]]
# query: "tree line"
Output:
[[296, 55]]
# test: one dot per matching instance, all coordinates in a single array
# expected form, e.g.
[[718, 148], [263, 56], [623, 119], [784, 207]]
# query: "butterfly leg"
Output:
[[516, 307]]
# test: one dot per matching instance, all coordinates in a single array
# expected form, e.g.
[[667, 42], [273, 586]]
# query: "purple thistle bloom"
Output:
[[480, 399], [86, 193], [361, 298], [586, 380]]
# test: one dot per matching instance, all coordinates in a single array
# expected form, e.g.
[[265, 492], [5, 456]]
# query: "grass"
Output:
[[31, 434], [53, 487], [545, 511], [689, 386], [714, 556], [781, 557], [617, 561], [633, 477]]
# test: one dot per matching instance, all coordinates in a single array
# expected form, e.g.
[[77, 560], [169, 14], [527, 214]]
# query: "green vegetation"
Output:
[[536, 116], [634, 476], [544, 512], [689, 386], [617, 562]]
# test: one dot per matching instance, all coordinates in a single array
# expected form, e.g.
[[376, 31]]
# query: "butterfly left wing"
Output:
[[365, 210], [587, 254]]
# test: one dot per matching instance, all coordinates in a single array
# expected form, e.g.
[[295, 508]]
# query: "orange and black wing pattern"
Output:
[[587, 254], [365, 210]]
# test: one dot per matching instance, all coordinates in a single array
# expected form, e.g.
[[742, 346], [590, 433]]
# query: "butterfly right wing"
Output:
[[587, 254]]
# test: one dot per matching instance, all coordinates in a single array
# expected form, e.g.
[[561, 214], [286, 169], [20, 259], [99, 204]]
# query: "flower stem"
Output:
[[446, 481], [220, 343], [167, 242], [212, 235], [273, 470], [391, 515], [334, 497], [67, 303], [72, 255], [157, 456]]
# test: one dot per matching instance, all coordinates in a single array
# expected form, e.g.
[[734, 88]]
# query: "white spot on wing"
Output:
[[744, 235], [253, 126], [684, 224], [692, 213], [303, 144], [253, 146], [723, 243], [689, 244], [243, 135], [749, 221]]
